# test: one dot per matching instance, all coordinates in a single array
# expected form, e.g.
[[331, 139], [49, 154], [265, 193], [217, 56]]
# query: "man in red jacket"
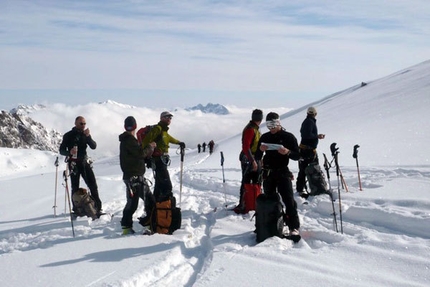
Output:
[[250, 137]]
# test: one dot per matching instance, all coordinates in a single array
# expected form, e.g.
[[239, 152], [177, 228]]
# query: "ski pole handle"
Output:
[[355, 153], [222, 158], [333, 149]]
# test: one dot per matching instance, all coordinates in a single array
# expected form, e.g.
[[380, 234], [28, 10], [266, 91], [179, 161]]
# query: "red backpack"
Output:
[[140, 135], [143, 132]]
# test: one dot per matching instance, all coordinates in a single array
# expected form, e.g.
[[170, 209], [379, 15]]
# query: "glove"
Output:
[[182, 145]]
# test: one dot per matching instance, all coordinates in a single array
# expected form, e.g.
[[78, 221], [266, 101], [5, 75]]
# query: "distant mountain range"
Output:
[[210, 109], [18, 130]]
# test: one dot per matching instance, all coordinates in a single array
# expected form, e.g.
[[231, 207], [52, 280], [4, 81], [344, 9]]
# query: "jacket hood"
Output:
[[124, 136]]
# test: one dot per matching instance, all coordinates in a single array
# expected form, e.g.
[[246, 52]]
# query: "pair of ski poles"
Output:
[[67, 194]]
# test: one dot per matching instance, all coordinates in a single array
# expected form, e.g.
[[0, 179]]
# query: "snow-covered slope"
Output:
[[386, 239]]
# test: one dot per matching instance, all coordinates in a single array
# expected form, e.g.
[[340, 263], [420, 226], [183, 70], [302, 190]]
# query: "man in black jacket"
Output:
[[74, 147], [132, 161], [308, 146], [279, 146]]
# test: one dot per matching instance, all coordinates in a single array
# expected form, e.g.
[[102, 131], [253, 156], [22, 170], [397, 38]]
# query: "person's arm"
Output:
[[247, 138], [152, 135], [64, 150]]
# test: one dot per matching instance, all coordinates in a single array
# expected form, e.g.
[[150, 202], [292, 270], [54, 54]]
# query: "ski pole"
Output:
[[182, 170], [327, 166], [335, 153], [56, 184], [355, 155], [65, 175], [223, 178], [334, 150]]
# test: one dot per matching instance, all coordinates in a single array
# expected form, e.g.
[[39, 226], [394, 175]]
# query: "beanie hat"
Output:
[[272, 116], [312, 111], [130, 124], [257, 115], [165, 114]]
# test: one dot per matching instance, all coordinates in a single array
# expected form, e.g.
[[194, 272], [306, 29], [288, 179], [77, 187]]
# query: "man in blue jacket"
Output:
[[308, 148]]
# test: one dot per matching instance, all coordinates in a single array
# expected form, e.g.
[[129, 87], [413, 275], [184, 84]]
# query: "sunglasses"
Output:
[[271, 125], [82, 124]]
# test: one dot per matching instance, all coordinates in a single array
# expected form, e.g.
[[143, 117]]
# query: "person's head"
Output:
[[166, 117], [80, 123], [273, 122], [130, 124], [257, 116], [312, 111]]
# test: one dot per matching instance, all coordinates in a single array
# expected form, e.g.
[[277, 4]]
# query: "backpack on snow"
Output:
[[316, 179], [166, 217], [269, 220], [84, 204]]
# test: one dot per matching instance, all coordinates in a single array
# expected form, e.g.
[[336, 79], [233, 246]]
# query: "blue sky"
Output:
[[175, 53]]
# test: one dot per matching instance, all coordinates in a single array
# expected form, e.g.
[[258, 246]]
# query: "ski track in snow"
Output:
[[198, 239]]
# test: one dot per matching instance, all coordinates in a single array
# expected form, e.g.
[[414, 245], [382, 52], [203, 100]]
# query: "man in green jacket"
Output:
[[160, 157], [132, 161]]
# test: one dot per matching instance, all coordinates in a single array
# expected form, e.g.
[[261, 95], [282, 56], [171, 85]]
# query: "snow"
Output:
[[386, 230]]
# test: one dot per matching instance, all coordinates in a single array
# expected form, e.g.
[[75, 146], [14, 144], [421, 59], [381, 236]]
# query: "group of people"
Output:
[[265, 158], [132, 162], [211, 145], [260, 162]]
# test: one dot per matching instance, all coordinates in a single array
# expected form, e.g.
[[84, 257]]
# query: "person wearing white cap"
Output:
[[279, 146], [308, 144], [160, 158]]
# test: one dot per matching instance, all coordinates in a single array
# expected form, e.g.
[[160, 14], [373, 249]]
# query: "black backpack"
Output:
[[268, 217], [166, 217], [316, 179]]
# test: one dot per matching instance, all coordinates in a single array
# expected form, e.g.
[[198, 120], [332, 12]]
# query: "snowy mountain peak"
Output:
[[113, 103], [210, 109], [24, 110]]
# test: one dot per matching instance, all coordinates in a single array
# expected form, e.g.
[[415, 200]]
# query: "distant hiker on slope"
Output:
[[211, 145], [276, 176], [132, 161]]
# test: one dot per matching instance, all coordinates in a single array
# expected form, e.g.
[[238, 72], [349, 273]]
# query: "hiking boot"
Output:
[[127, 230], [239, 210], [294, 235], [145, 221], [303, 194]]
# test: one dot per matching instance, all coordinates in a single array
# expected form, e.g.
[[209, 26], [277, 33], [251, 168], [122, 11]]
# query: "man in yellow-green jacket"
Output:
[[160, 157]]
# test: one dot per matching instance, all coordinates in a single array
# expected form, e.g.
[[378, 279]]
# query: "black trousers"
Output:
[[84, 169], [307, 156], [136, 188], [279, 181], [163, 185]]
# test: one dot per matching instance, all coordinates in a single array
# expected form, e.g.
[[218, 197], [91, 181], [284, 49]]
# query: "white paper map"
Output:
[[271, 146]]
